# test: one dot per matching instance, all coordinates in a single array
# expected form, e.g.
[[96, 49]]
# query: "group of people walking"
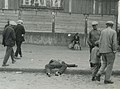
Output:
[[13, 34], [103, 46]]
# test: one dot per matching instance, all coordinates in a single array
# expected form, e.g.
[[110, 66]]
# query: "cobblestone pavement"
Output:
[[16, 80]]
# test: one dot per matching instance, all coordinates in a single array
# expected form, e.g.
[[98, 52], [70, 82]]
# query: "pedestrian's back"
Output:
[[106, 40]]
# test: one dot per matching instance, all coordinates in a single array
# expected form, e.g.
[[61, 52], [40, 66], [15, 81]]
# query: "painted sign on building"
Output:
[[45, 3]]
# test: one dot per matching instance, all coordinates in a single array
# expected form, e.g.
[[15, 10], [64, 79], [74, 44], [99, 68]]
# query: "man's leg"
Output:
[[19, 46], [8, 53], [63, 68], [110, 62], [48, 68], [95, 69], [12, 56], [102, 68], [17, 49]]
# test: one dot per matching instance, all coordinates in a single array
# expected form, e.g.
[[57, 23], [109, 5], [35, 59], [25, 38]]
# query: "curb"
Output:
[[68, 71]]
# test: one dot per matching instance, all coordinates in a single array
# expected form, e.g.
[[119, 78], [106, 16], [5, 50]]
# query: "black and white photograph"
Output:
[[59, 44]]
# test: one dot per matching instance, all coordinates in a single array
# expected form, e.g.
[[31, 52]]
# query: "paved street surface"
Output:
[[14, 80], [36, 56]]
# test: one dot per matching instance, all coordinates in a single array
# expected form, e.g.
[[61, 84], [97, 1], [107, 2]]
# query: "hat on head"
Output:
[[12, 23], [94, 23], [109, 23], [20, 22]]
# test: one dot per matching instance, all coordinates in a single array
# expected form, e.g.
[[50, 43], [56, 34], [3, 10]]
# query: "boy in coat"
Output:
[[95, 61]]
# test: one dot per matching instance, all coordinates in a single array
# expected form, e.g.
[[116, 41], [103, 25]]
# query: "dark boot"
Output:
[[98, 77], [5, 65], [13, 61], [48, 74], [93, 78]]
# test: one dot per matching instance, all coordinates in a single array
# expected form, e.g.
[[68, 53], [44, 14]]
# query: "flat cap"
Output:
[[20, 21], [109, 22], [13, 23], [94, 23]]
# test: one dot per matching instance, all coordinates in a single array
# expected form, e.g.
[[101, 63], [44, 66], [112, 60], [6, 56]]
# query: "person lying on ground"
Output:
[[60, 65]]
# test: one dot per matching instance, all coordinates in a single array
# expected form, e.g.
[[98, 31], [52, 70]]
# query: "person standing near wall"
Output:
[[93, 35], [19, 31], [9, 41], [108, 47]]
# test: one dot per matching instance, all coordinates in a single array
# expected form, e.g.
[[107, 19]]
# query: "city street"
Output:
[[71, 35], [19, 80]]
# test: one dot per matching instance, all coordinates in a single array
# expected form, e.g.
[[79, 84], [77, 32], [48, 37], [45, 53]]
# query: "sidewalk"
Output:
[[35, 57]]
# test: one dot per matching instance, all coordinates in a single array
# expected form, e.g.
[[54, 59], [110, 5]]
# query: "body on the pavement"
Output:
[[60, 65]]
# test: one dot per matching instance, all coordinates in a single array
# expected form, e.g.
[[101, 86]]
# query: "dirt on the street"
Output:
[[19, 80]]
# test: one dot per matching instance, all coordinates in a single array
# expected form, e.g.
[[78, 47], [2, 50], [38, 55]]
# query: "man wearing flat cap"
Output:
[[9, 41], [19, 31], [107, 47], [93, 35]]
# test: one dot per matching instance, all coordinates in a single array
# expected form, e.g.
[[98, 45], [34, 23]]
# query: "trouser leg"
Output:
[[104, 64], [110, 62], [95, 69], [7, 54], [12, 54], [63, 68], [18, 50], [48, 68]]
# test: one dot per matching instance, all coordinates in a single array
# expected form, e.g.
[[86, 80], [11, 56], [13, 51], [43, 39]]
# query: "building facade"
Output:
[[102, 7]]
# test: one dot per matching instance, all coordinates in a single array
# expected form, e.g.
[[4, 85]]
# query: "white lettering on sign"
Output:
[[53, 3]]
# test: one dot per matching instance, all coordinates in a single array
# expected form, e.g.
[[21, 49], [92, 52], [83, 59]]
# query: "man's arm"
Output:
[[114, 42], [88, 40], [13, 34]]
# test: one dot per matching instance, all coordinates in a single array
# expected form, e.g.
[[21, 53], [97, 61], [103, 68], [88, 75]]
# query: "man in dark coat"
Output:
[[9, 41], [19, 31]]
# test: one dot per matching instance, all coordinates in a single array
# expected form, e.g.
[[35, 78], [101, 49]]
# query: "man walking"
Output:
[[93, 35], [9, 41], [108, 47], [19, 31]]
